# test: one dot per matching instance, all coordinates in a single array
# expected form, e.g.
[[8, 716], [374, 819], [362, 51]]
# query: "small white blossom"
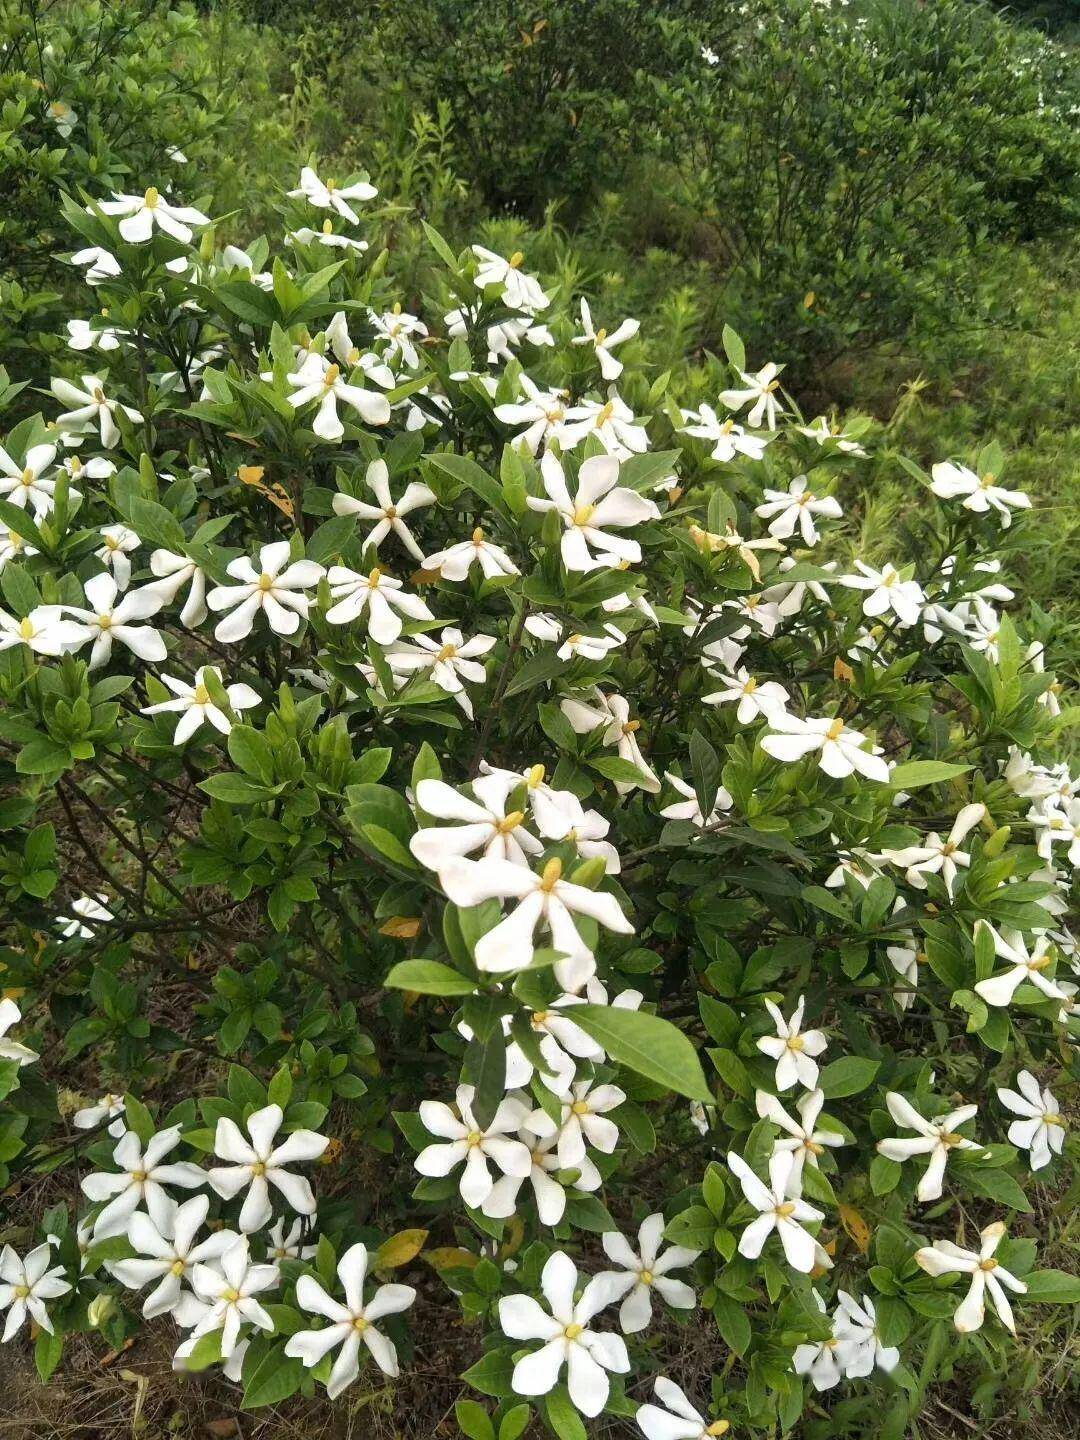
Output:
[[472, 1145], [276, 588], [793, 1048], [1041, 1129], [796, 507], [981, 493], [841, 751], [140, 1178], [600, 504], [604, 343], [647, 1269], [195, 706], [256, 1163], [988, 1276], [780, 1212], [147, 212], [937, 1138], [388, 512], [25, 1285], [759, 393], [329, 195]]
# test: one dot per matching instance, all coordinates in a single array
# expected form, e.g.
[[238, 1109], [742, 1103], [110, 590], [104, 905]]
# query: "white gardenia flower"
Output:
[[329, 195], [887, 591], [1041, 1129], [318, 380], [25, 1285], [938, 856], [143, 213], [936, 1138], [568, 1339], [106, 621], [10, 1015], [450, 659], [13, 547], [1060, 825], [351, 1322], [275, 587], [823, 1360], [140, 1179], [102, 264], [228, 1295], [470, 1144], [988, 1276], [455, 562], [759, 393], [679, 1421], [612, 713], [753, 697], [793, 1048], [325, 236], [560, 815], [520, 291], [855, 1325], [689, 808], [44, 631], [483, 822], [1024, 965], [541, 413], [288, 1245], [604, 343], [257, 1163], [583, 1121], [397, 328], [647, 1269], [549, 1194], [195, 706], [377, 593], [166, 1252], [780, 1212], [589, 516], [840, 750], [803, 1140], [109, 1107], [26, 484], [981, 492], [119, 543], [84, 336], [826, 433], [611, 421], [92, 406], [727, 438], [796, 507], [173, 572], [545, 900], [86, 908], [571, 643], [389, 511]]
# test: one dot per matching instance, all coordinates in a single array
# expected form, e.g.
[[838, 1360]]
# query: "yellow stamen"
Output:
[[151, 198], [332, 376], [835, 730], [516, 260], [785, 1210], [573, 1331], [551, 875], [510, 822], [266, 582]]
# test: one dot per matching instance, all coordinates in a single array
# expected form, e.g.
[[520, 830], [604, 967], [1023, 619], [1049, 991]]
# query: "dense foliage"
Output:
[[452, 755]]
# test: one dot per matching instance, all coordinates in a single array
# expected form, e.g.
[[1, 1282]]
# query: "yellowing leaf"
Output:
[[808, 300], [277, 495], [855, 1226], [401, 927], [451, 1257], [841, 670], [251, 474], [399, 1249]]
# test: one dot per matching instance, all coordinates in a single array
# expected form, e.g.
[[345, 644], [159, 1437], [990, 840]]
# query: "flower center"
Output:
[[573, 1331], [604, 414], [266, 582], [177, 1267], [631, 727], [814, 1148], [202, 695], [359, 1324], [552, 874], [21, 1292], [1040, 963], [539, 1019], [151, 198], [230, 1295], [1051, 1118], [76, 465], [535, 777], [986, 481], [835, 730], [447, 653], [390, 512], [646, 1277], [805, 497], [26, 629], [988, 1265], [510, 822], [786, 1210], [750, 686], [105, 622], [139, 1176], [473, 1139], [27, 477], [331, 377], [516, 260], [579, 1107], [796, 1043], [327, 227], [583, 514], [99, 395], [478, 536], [950, 1138]]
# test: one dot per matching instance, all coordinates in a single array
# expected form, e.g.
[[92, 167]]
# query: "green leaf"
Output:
[[732, 1322], [155, 525], [468, 473], [734, 348], [694, 1227], [47, 1351], [429, 977], [1053, 1287], [562, 1416], [995, 1185], [647, 1044], [705, 767], [491, 1374], [276, 1378], [915, 773], [848, 1076], [474, 1421]]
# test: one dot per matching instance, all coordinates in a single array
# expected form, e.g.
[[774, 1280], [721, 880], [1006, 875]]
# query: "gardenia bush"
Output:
[[471, 818]]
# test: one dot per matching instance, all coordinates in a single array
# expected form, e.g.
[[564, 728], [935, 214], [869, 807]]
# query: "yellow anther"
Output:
[[374, 577], [786, 1209], [835, 730], [473, 1139], [177, 1267], [360, 1324], [646, 1277], [201, 695], [535, 777], [631, 727], [327, 227], [796, 1043], [988, 1265], [151, 198], [510, 822], [259, 1168], [552, 874], [579, 1107], [26, 630], [583, 514], [573, 1331], [27, 476], [478, 536], [516, 260], [266, 582], [332, 376]]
